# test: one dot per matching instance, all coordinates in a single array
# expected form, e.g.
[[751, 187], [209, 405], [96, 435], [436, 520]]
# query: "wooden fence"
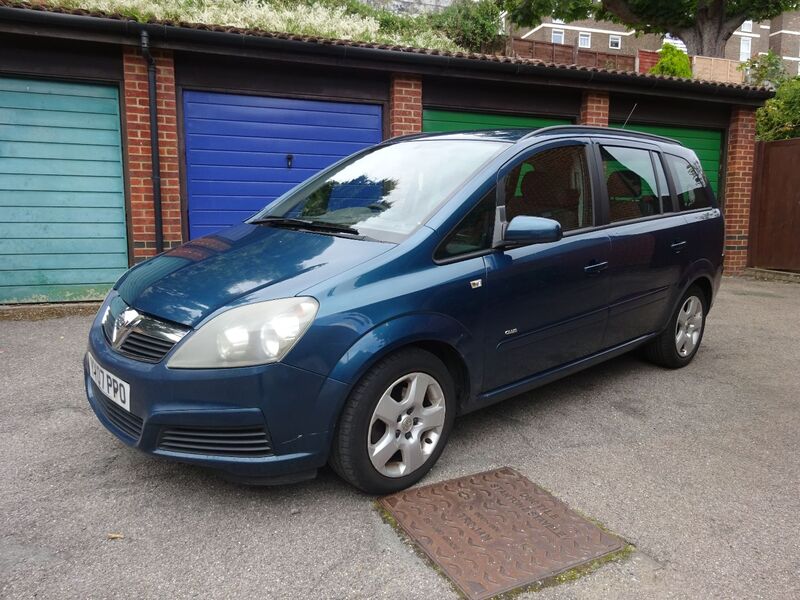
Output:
[[775, 212], [572, 55]]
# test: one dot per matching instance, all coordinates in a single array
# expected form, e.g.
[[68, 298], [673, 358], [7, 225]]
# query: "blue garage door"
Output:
[[238, 150], [62, 204]]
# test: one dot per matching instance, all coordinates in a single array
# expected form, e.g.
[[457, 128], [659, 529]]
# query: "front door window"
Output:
[[552, 184]]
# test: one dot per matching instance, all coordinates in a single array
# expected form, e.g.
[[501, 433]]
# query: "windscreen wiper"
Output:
[[305, 224]]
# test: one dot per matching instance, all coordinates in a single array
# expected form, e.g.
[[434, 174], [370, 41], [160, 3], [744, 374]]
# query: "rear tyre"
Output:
[[395, 423], [677, 345]]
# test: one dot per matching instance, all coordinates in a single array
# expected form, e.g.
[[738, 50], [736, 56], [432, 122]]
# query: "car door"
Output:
[[647, 253], [703, 234], [547, 302]]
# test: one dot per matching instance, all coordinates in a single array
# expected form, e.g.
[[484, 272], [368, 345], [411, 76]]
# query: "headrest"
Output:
[[624, 184], [533, 184]]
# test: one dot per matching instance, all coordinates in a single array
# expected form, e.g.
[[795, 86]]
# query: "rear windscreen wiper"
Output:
[[305, 224]]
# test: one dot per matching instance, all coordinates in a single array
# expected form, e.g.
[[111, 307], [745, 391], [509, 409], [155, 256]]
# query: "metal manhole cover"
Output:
[[496, 531]]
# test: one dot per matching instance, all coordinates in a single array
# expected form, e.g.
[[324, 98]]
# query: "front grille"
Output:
[[124, 420], [144, 347], [248, 441], [139, 336]]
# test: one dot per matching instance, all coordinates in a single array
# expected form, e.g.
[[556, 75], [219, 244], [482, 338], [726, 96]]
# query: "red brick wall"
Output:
[[405, 105], [137, 132], [594, 109], [646, 60], [738, 186]]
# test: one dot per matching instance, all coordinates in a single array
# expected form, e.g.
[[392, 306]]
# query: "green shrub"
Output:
[[472, 25], [345, 19], [465, 25], [765, 70], [779, 118], [673, 62]]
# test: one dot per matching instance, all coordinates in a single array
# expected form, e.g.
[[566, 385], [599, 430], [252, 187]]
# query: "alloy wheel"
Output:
[[689, 326], [406, 425]]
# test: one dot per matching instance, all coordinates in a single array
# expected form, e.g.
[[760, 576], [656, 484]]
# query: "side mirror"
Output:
[[522, 231]]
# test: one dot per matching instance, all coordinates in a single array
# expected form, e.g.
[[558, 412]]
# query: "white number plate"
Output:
[[116, 390]]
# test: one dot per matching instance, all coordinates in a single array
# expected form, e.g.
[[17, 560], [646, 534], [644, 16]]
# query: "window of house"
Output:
[[557, 36], [690, 183], [474, 232], [552, 184], [747, 26], [615, 42], [559, 21], [744, 49], [631, 183], [584, 40]]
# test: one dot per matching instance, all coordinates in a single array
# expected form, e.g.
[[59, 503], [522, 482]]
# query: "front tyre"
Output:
[[395, 423], [676, 346]]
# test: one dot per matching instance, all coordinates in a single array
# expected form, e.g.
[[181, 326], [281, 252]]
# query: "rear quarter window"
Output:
[[691, 186]]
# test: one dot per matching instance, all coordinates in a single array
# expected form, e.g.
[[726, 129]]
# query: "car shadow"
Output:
[[571, 393], [562, 393]]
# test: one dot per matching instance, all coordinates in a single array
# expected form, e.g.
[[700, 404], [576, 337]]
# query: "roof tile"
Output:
[[391, 48]]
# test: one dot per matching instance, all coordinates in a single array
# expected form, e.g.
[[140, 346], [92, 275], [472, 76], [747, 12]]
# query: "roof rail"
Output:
[[592, 129]]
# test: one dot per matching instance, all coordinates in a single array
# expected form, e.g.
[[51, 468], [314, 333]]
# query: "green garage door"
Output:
[[707, 143], [447, 120], [62, 207]]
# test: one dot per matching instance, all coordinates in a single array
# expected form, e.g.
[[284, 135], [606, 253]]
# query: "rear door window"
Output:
[[631, 183], [690, 183]]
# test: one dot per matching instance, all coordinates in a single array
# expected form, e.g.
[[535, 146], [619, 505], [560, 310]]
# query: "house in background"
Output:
[[751, 39], [784, 40]]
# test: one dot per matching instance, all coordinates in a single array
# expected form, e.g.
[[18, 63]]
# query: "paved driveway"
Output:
[[699, 468]]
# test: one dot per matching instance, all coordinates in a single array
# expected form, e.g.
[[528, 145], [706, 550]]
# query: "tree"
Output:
[[703, 25], [673, 62], [765, 70], [779, 118]]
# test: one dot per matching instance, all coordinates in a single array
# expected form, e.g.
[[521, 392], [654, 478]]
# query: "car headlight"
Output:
[[254, 334]]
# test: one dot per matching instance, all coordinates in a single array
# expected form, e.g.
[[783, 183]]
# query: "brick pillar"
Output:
[[738, 186], [137, 131], [594, 109], [405, 105]]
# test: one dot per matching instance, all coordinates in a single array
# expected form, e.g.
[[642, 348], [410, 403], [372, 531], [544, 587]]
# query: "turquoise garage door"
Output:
[[62, 207]]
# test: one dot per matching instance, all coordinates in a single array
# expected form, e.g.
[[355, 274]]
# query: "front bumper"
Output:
[[296, 408]]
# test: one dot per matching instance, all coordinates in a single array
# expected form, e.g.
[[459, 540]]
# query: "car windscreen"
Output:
[[389, 191]]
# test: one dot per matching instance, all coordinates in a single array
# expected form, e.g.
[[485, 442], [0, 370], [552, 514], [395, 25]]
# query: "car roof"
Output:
[[515, 135]]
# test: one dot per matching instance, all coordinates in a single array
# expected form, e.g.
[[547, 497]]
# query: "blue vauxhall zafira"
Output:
[[350, 321]]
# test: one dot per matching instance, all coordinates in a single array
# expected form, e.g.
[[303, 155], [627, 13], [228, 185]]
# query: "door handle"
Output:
[[677, 246], [595, 267]]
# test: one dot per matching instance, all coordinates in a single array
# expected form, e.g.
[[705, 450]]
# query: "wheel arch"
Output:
[[442, 336], [455, 364], [704, 283], [700, 273], [700, 278]]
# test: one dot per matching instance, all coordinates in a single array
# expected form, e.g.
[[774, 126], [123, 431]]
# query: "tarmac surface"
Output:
[[698, 468]]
